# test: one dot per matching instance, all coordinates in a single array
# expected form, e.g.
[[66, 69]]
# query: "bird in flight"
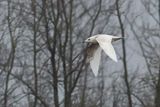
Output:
[[98, 43]]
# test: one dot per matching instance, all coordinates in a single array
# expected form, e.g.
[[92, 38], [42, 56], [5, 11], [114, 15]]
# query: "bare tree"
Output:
[[124, 56], [11, 57], [45, 60]]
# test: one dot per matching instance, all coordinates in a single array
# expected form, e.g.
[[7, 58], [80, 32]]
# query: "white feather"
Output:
[[94, 53], [94, 63], [105, 43]]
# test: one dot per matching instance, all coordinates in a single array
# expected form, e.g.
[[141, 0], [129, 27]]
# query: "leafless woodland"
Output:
[[43, 60]]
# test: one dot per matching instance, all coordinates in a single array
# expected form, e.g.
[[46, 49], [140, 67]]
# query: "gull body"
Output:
[[98, 43]]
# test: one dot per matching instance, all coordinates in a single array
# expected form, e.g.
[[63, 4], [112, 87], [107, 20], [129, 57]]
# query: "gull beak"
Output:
[[86, 40]]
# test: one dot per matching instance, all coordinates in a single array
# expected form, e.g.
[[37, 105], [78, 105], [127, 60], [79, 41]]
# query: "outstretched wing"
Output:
[[105, 44], [95, 61]]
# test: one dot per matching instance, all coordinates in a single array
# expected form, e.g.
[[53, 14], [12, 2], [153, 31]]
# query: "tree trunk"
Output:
[[124, 57]]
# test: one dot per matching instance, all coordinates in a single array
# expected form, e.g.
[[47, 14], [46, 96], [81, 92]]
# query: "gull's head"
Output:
[[91, 39]]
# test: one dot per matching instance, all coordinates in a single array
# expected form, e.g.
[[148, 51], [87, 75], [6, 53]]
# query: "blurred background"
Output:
[[43, 60]]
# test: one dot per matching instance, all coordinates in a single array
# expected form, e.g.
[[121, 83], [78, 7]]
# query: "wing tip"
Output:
[[95, 75], [95, 72], [116, 60]]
